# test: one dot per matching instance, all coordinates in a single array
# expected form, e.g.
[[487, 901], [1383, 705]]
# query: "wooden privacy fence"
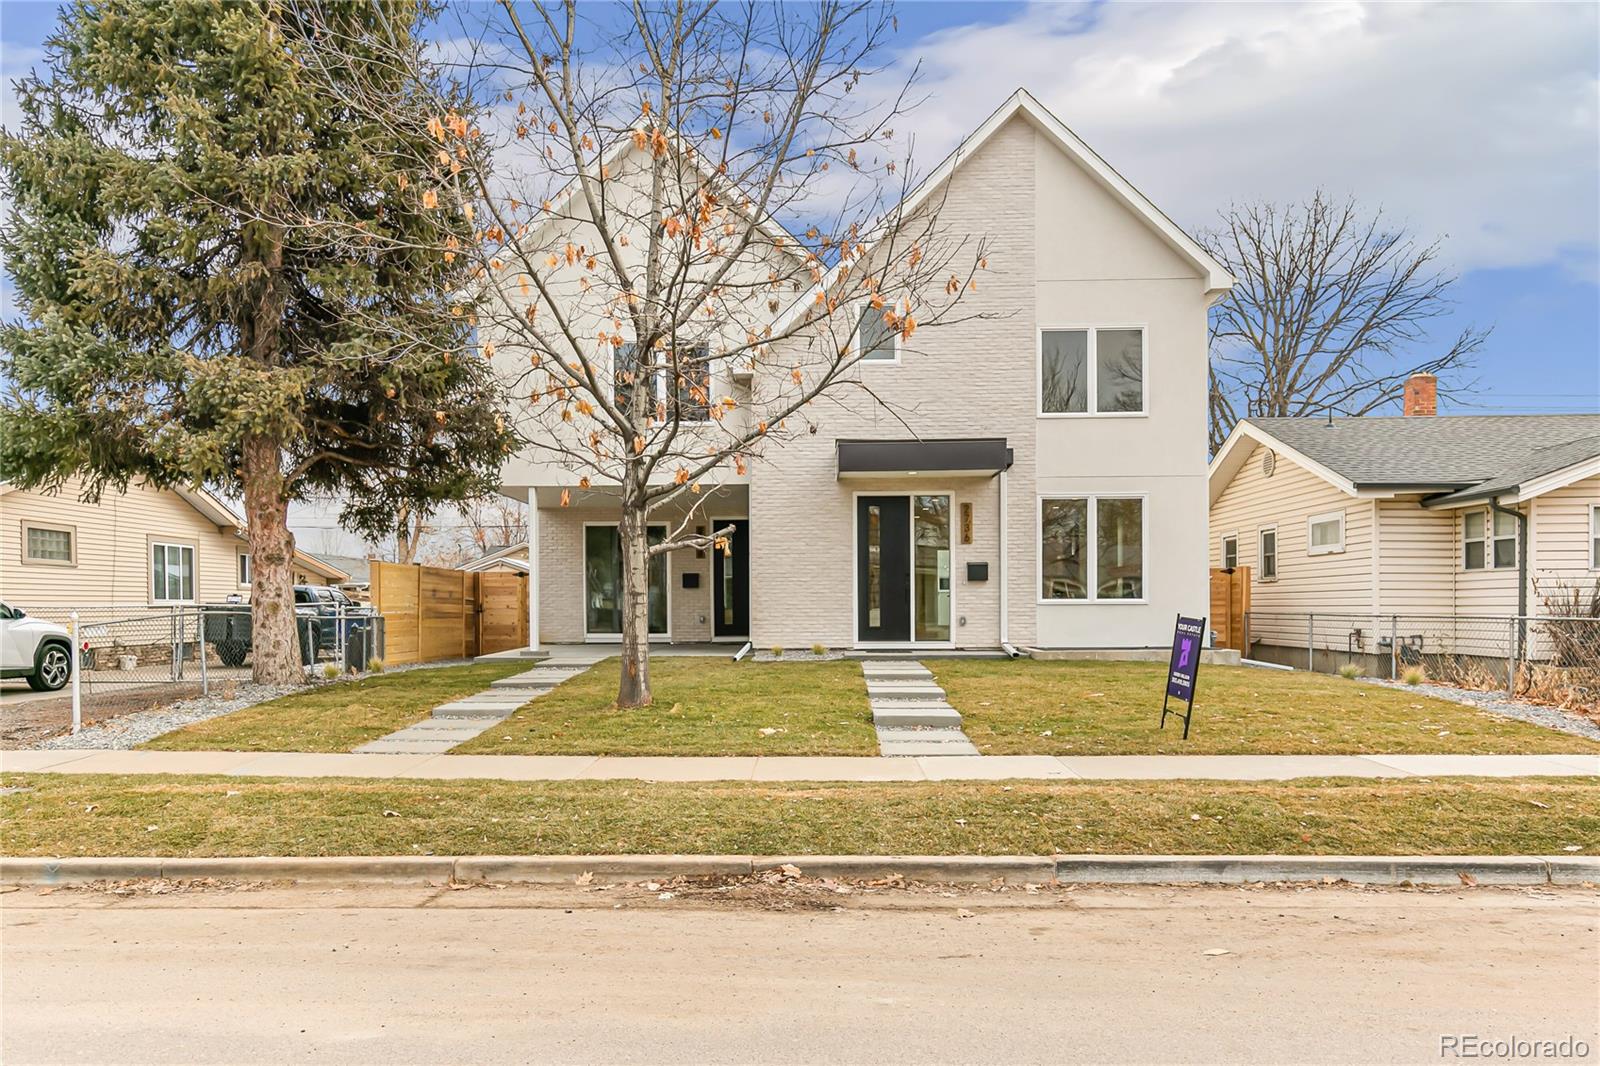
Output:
[[431, 613], [1230, 599]]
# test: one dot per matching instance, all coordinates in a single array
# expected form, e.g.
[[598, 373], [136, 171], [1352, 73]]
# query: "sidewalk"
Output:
[[797, 768]]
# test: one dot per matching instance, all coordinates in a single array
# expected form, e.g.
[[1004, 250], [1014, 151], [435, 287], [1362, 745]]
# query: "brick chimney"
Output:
[[1422, 395]]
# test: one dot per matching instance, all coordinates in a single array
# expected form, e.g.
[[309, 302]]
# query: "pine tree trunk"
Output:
[[275, 648], [634, 688]]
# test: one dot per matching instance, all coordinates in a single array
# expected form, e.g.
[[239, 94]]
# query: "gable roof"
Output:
[[1217, 278], [1460, 457]]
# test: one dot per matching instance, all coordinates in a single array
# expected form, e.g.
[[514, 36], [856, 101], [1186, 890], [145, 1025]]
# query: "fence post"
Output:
[[1311, 642], [1511, 660], [1394, 647], [200, 648], [77, 692]]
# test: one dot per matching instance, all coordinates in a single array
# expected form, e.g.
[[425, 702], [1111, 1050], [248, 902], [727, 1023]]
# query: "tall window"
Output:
[[244, 568], [693, 393], [602, 581], [43, 544], [874, 339], [1268, 557], [1230, 551], [1489, 540], [171, 572], [1112, 569], [1091, 371]]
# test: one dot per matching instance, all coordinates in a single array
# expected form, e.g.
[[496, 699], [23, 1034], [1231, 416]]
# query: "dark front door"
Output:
[[730, 581], [883, 568]]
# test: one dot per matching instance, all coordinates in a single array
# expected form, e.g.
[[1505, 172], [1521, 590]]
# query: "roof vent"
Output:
[[1269, 463]]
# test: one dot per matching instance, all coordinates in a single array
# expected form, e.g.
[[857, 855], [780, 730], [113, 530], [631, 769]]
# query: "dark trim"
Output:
[[967, 455]]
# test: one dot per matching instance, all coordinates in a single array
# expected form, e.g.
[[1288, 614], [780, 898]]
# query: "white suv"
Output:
[[35, 649]]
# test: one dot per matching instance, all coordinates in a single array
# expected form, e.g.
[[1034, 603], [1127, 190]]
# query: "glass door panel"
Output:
[[602, 581], [931, 567]]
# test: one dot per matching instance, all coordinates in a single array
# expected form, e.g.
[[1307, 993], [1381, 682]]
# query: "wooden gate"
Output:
[[431, 613], [1230, 599], [502, 611]]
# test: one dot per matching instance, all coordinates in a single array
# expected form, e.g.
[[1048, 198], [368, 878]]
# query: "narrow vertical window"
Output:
[[1230, 552], [1269, 554], [1064, 371]]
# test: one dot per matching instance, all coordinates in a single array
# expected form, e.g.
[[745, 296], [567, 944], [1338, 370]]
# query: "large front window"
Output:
[[172, 572], [1091, 371], [1092, 548], [602, 581]]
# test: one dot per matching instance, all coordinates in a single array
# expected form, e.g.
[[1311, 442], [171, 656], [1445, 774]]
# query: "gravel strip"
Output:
[[131, 730], [1536, 713]]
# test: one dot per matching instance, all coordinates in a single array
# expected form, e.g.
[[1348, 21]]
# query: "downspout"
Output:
[[1000, 572], [1522, 570]]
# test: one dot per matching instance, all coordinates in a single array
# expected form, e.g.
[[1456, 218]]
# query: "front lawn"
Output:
[[703, 706], [340, 716], [62, 814], [1112, 708]]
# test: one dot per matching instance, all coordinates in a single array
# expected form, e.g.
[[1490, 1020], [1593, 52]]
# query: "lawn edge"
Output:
[[1392, 870]]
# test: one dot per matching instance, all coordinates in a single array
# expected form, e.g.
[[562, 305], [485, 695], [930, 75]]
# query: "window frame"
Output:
[[1091, 570], [1490, 538], [1594, 536], [1092, 381], [1223, 550], [244, 570], [1312, 521], [591, 637], [194, 571], [72, 544], [1261, 553], [862, 307]]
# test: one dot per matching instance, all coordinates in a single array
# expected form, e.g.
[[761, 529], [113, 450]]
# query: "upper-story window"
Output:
[[1489, 540], [875, 340], [1230, 551], [691, 395], [1091, 371]]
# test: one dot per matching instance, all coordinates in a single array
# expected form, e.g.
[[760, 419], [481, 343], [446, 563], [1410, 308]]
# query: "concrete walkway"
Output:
[[460, 720], [910, 712], [797, 767]]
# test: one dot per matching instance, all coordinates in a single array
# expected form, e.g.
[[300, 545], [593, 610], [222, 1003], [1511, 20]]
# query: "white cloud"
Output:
[[1474, 122]]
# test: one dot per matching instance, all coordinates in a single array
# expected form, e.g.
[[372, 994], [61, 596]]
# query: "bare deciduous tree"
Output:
[[1330, 313], [659, 328]]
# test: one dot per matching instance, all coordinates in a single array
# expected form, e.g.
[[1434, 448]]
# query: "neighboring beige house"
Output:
[[1461, 517], [145, 546], [1050, 492], [512, 559]]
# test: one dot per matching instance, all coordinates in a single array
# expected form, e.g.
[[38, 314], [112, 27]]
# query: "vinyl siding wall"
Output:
[[1562, 540], [113, 547], [1329, 583]]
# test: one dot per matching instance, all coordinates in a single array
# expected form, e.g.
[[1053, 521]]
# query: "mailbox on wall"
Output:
[[977, 571]]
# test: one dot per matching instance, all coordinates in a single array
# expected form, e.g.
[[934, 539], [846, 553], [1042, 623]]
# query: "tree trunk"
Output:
[[634, 687], [275, 648]]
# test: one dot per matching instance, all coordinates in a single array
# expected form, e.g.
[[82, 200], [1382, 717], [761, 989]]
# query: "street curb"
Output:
[[977, 869]]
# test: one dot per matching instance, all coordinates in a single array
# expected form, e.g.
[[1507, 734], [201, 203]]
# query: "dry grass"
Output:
[[1101, 708], [703, 706], [337, 717], [58, 814]]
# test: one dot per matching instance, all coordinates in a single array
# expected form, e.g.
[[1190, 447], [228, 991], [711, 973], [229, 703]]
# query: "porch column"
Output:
[[533, 570]]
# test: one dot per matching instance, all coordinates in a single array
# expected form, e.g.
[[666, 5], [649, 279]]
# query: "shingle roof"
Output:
[[1472, 454]]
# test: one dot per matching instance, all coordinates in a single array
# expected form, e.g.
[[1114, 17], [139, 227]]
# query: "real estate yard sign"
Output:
[[1181, 670]]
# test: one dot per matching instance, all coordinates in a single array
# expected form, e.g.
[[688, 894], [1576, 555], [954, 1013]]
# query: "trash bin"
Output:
[[309, 633]]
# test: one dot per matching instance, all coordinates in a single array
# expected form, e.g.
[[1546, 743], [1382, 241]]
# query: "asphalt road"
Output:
[[401, 975]]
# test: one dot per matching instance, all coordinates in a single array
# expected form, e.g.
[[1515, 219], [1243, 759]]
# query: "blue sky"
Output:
[[1476, 124]]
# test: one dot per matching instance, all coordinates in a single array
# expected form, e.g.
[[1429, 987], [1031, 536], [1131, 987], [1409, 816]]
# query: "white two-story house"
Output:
[[1040, 482]]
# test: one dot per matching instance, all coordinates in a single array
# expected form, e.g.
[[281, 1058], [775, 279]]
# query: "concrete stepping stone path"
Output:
[[910, 711], [460, 720]]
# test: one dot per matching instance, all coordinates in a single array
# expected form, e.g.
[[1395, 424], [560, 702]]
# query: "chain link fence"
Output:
[[1548, 658], [148, 655]]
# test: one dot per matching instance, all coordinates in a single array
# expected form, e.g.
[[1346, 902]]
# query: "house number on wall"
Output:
[[966, 523]]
